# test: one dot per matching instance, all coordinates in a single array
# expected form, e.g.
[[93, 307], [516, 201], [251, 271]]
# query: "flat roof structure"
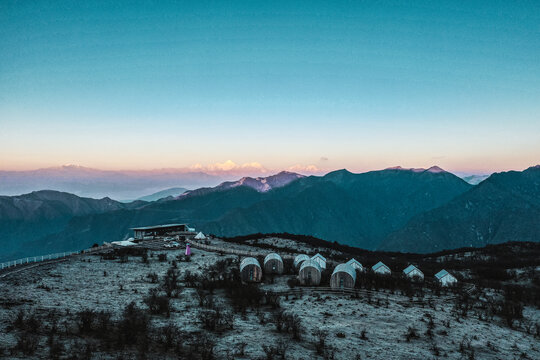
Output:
[[142, 232], [159, 227]]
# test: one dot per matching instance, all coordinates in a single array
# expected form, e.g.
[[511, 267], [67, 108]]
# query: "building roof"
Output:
[[379, 265], [157, 227], [272, 256], [249, 261], [310, 263], [346, 268], [299, 258], [442, 274], [410, 268], [353, 261], [319, 256]]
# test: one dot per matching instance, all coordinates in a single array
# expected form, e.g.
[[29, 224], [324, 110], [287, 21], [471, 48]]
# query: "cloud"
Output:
[[230, 166], [324, 158], [304, 169]]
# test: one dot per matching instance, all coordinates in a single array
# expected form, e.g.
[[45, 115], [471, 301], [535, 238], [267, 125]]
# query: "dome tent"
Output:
[[310, 273], [273, 264], [250, 270], [344, 276]]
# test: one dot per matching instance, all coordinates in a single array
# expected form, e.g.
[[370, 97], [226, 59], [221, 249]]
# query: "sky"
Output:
[[360, 85]]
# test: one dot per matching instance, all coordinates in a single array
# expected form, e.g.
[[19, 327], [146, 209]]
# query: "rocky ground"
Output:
[[314, 325]]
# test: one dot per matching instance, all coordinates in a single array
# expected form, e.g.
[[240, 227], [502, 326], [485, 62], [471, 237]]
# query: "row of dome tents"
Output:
[[251, 271], [412, 272], [310, 270], [344, 275]]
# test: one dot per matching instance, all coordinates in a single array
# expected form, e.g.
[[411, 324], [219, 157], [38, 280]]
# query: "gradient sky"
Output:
[[347, 84]]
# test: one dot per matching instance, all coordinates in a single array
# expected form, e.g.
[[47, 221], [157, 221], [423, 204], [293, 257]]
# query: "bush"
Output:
[[244, 295], [288, 322], [152, 277], [412, 333], [157, 304], [29, 324], [216, 319], [56, 347], [85, 320], [320, 346], [27, 343], [134, 325], [162, 257], [170, 337], [170, 283]]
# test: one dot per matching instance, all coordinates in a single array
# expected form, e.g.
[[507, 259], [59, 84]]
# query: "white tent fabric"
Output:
[[200, 236]]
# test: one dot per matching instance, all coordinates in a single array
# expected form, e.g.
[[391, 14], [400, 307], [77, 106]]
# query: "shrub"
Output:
[[27, 343], [56, 347], [157, 304], [85, 320], [162, 257], [29, 324], [169, 337], [321, 341], [134, 325], [412, 333], [288, 322], [363, 335], [152, 277], [170, 283], [216, 319]]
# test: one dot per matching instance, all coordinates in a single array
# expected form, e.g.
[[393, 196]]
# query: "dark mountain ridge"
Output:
[[414, 210], [354, 209], [504, 207], [30, 217]]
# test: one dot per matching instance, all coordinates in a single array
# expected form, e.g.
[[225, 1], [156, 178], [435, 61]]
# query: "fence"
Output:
[[233, 251], [41, 258], [34, 259], [364, 293]]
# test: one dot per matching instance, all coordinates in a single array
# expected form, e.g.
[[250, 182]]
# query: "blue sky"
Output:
[[364, 84]]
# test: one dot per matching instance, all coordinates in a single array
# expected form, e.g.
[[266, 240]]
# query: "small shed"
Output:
[[250, 270], [381, 268], [355, 264], [413, 272], [344, 276], [273, 264], [200, 236], [310, 273], [299, 259], [320, 259], [445, 278]]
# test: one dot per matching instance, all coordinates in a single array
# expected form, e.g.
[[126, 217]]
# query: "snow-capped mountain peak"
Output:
[[434, 169], [260, 184]]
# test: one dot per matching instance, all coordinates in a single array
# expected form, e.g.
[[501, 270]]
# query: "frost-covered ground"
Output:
[[354, 328]]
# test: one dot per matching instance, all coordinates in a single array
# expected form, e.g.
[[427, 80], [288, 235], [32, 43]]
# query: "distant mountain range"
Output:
[[418, 210], [169, 194], [95, 183], [474, 179]]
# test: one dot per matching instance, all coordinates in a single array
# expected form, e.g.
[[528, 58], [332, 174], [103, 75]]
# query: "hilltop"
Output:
[[154, 302]]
